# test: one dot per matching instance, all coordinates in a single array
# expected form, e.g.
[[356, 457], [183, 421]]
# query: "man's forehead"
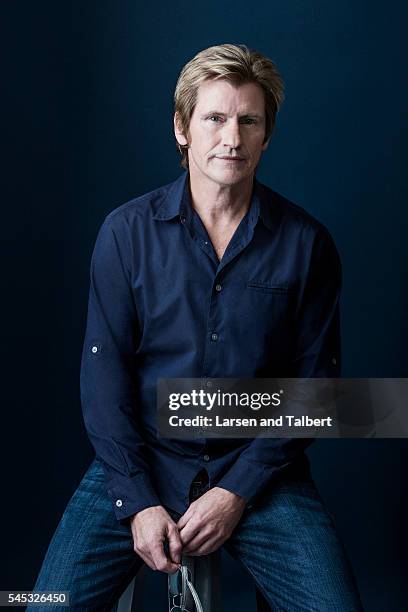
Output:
[[224, 96]]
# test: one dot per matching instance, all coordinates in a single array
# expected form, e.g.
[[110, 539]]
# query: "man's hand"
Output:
[[209, 521], [150, 528]]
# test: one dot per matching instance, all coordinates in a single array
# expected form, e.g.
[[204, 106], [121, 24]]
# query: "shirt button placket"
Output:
[[211, 365], [214, 335]]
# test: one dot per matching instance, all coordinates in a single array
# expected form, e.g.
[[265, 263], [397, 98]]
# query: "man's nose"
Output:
[[232, 134]]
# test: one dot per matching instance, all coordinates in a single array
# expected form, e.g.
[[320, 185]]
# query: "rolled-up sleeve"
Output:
[[108, 398], [316, 355]]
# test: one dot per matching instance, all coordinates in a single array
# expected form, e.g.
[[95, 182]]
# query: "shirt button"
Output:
[[206, 457], [218, 287], [209, 383], [119, 503], [334, 361], [94, 349], [183, 219], [214, 337]]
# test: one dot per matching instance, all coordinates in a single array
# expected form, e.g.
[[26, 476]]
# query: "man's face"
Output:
[[227, 131]]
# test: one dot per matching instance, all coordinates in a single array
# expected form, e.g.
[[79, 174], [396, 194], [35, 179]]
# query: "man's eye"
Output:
[[248, 120], [215, 118]]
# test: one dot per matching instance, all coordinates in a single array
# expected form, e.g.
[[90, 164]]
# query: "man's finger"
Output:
[[162, 563], [144, 555], [147, 559], [206, 548], [197, 541], [183, 520], [175, 544], [189, 531]]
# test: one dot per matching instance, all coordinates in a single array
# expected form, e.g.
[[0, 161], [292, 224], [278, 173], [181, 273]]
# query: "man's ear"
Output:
[[181, 139], [265, 144]]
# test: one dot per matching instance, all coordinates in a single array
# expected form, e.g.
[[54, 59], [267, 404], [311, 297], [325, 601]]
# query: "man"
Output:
[[214, 275]]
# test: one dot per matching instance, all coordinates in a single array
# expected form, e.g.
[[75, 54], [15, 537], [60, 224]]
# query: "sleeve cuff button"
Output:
[[94, 349], [119, 503]]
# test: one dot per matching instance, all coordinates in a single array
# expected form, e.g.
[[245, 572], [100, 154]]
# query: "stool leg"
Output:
[[206, 574], [125, 602], [131, 598], [261, 603]]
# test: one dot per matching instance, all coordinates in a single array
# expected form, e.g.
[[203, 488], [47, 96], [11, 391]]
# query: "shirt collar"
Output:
[[174, 203], [177, 203], [267, 207]]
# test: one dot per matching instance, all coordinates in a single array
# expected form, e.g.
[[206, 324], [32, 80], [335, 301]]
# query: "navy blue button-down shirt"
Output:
[[161, 305]]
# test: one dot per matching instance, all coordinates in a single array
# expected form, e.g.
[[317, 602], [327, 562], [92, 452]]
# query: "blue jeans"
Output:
[[287, 542]]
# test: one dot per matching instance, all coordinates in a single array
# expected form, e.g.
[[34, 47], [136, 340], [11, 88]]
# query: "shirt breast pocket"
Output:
[[267, 287], [263, 325], [271, 304]]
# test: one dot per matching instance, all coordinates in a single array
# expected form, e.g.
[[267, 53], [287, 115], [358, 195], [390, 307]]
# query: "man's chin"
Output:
[[230, 178]]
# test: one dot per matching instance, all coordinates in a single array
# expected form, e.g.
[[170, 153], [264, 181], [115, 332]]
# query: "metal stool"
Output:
[[205, 573]]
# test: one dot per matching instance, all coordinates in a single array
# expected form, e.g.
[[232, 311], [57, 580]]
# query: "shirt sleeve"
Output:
[[316, 355], [108, 396]]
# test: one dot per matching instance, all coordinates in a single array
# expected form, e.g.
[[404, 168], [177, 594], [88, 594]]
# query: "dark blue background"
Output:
[[87, 115]]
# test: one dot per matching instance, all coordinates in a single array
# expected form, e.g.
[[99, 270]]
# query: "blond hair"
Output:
[[234, 63]]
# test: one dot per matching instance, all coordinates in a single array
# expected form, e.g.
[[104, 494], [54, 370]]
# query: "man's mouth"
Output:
[[229, 158]]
